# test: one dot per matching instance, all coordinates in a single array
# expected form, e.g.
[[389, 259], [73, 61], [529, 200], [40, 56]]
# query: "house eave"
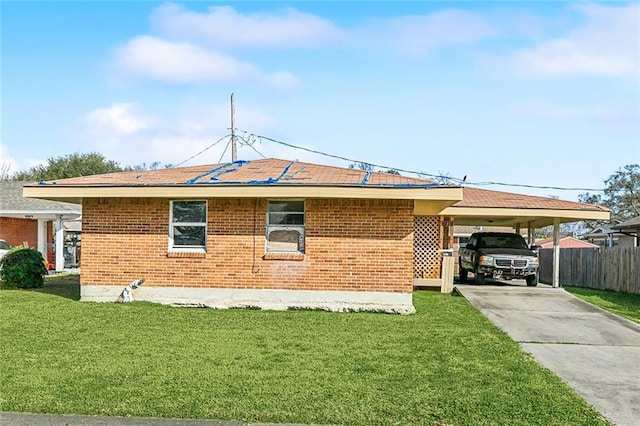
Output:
[[450, 195]]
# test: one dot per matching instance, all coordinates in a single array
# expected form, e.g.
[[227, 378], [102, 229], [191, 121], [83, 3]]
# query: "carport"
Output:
[[481, 207]]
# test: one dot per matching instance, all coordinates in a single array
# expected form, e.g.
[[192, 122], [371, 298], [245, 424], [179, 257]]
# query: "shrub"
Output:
[[22, 268]]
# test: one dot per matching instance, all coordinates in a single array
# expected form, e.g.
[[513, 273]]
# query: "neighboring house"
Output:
[[565, 242], [630, 228], [36, 222], [276, 234], [610, 237]]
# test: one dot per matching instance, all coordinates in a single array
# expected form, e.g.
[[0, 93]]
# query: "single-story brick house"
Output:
[[268, 233], [34, 222]]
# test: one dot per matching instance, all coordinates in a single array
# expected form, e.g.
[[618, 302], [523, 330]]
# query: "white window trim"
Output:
[[286, 227], [188, 249]]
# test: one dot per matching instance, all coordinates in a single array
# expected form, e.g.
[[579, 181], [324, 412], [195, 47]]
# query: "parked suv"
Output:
[[498, 255]]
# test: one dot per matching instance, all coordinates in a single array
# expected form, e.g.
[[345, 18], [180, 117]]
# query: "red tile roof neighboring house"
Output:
[[566, 242]]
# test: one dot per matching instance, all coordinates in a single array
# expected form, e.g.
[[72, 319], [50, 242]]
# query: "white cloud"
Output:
[[119, 119], [181, 62], [416, 34], [224, 26], [171, 137], [611, 114], [606, 45]]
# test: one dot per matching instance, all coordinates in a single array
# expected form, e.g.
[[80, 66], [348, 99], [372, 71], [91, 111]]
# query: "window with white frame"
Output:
[[188, 228], [285, 226]]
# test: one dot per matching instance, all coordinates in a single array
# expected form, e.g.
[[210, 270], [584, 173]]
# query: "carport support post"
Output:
[[59, 244], [556, 253], [42, 237]]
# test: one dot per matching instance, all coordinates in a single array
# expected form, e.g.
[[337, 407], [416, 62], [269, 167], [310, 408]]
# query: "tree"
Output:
[[72, 165], [369, 168], [621, 194], [4, 171], [152, 166]]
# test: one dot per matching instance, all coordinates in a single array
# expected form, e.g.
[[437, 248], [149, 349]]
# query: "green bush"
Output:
[[22, 268]]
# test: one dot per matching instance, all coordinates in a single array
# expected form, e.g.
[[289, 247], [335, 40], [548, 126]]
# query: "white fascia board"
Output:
[[526, 212], [263, 191]]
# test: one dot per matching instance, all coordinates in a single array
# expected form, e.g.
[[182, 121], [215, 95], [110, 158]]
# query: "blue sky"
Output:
[[536, 93]]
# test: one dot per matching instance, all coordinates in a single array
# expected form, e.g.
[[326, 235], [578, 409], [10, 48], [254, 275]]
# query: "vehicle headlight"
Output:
[[486, 260], [533, 261]]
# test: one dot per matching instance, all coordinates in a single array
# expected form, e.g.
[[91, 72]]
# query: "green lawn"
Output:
[[444, 365], [624, 304]]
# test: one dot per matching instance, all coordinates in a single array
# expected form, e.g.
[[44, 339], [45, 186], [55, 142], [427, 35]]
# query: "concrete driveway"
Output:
[[595, 352]]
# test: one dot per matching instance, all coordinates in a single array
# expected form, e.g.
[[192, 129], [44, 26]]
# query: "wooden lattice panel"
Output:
[[426, 247]]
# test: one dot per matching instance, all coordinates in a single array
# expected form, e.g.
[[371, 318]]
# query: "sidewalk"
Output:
[[28, 419]]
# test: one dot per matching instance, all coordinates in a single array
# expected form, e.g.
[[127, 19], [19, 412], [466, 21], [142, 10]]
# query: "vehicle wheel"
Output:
[[532, 280], [463, 274], [479, 278]]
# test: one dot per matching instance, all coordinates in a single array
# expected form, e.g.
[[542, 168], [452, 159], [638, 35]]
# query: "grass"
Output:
[[444, 365], [624, 304]]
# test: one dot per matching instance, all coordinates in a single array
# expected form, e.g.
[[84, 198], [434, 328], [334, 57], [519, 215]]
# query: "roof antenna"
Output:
[[234, 155]]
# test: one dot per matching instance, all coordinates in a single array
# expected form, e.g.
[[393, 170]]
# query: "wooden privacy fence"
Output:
[[613, 268]]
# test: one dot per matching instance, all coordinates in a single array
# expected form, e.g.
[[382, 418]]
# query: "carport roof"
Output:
[[483, 207]]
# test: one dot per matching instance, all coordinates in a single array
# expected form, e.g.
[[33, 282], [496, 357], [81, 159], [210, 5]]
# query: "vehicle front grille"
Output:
[[511, 263]]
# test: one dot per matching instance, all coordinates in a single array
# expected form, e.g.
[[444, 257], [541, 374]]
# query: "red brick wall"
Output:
[[17, 230], [356, 245]]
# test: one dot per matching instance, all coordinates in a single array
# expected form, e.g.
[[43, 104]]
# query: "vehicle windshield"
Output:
[[502, 241]]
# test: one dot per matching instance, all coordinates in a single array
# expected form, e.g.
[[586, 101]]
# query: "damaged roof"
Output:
[[268, 178], [241, 173]]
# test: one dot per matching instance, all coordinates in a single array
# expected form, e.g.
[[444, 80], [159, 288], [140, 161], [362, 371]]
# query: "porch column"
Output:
[[42, 237], [59, 244], [530, 233], [556, 253]]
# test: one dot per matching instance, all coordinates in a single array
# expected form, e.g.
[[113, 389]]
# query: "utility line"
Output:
[[148, 172], [203, 151], [225, 150], [456, 180]]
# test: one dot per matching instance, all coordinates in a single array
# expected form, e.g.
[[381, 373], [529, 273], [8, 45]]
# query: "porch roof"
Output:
[[13, 204]]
